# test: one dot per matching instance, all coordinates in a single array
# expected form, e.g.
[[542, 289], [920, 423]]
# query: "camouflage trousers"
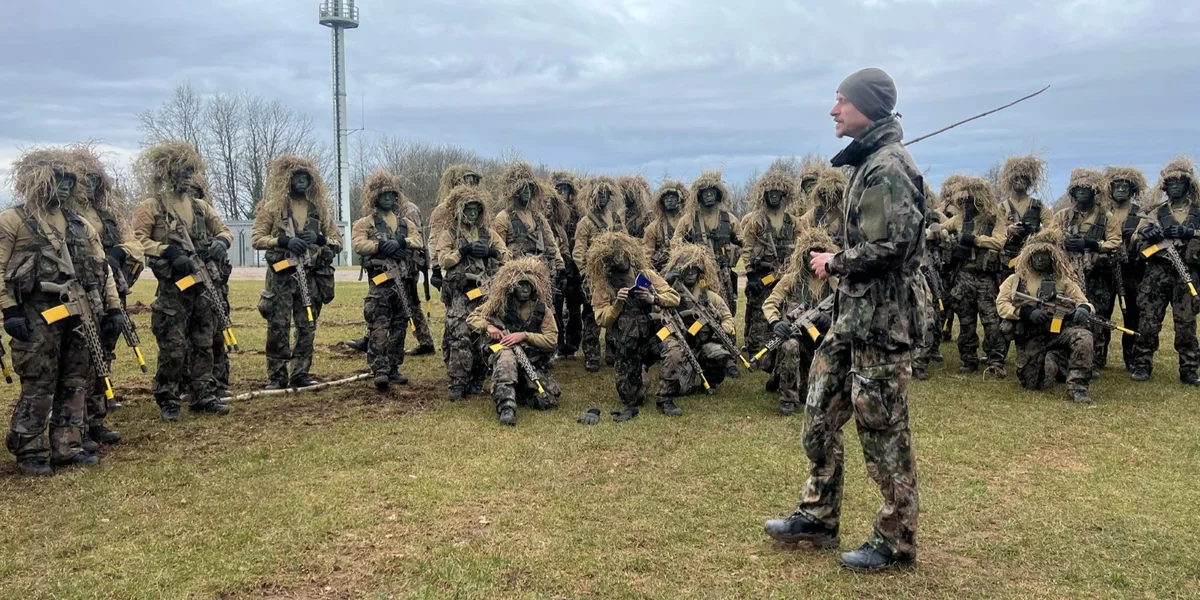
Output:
[[591, 337], [568, 307], [934, 321], [96, 402], [713, 359], [387, 326], [220, 360], [851, 378], [511, 386], [282, 306], [729, 291], [420, 322], [56, 376], [1101, 291], [1130, 315], [1069, 352], [757, 329], [1162, 286], [184, 324], [467, 367], [793, 359], [975, 298], [638, 349]]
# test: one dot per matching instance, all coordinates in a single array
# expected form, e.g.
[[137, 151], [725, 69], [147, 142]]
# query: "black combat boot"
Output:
[[421, 350], [591, 366], [560, 356], [869, 559], [732, 371], [103, 435], [89, 445], [277, 383], [936, 356], [1080, 396], [37, 466], [667, 407], [303, 381], [787, 409], [381, 382], [359, 345], [396, 377], [508, 415], [170, 411], [799, 528], [969, 367], [475, 389], [79, 459], [457, 393], [211, 406], [920, 374], [1140, 373], [1190, 379]]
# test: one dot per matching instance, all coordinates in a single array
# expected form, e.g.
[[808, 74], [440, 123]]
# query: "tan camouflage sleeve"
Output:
[[143, 228], [264, 234], [722, 309], [1005, 306], [552, 249], [444, 251], [361, 238], [749, 239], [583, 239], [667, 296], [500, 246], [10, 224], [501, 224], [476, 321], [216, 226], [1112, 235], [773, 306], [548, 339], [111, 298], [996, 240], [414, 238]]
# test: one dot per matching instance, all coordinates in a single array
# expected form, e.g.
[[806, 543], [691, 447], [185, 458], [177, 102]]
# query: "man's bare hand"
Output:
[[819, 262], [644, 295], [494, 333], [622, 294], [513, 339]]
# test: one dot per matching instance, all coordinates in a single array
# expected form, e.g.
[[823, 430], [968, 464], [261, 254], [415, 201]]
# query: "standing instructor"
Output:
[[863, 366]]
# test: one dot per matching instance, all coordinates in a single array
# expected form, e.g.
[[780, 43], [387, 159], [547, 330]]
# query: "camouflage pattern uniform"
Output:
[[510, 384], [945, 251], [638, 326], [770, 236], [184, 322], [281, 302], [54, 364], [452, 177], [596, 221], [568, 293], [466, 277], [662, 225], [387, 313], [527, 231], [1133, 265], [1161, 284], [862, 367], [1070, 351], [419, 263], [1094, 265], [714, 358], [931, 277], [978, 239], [717, 229], [827, 205], [637, 215]]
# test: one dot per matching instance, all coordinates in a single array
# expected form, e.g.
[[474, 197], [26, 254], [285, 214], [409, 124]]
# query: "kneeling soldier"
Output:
[[1044, 273], [523, 336], [690, 271]]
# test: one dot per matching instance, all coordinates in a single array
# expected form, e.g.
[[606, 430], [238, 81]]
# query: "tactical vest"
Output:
[[374, 264], [1189, 252], [601, 227], [783, 242], [636, 227], [718, 239], [1097, 230], [110, 231], [470, 272], [1032, 217], [1132, 219], [274, 255], [662, 252], [523, 242], [201, 239], [38, 261], [982, 261], [514, 323]]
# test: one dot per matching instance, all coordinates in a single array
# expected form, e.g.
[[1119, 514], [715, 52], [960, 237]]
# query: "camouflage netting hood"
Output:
[[454, 176], [830, 191], [711, 179], [1030, 166], [949, 185], [1046, 240], [32, 175], [87, 163], [593, 189], [517, 175], [529, 268], [639, 188], [460, 197], [155, 165], [1093, 180], [612, 247], [808, 239], [981, 191], [659, 214], [810, 172], [1180, 166], [378, 183], [279, 179], [1134, 176], [563, 207], [692, 255], [774, 180]]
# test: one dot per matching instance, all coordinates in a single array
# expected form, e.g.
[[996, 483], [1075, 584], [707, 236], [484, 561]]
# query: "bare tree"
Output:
[[223, 136], [180, 118]]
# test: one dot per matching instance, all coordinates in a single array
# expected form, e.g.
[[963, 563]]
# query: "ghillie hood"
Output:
[[670, 185], [830, 191], [87, 163], [809, 238], [529, 268], [378, 183], [32, 176], [1029, 165], [979, 189], [711, 179], [949, 185], [775, 179], [566, 177], [639, 188], [517, 175], [454, 176], [1049, 240], [607, 248], [457, 200], [593, 190], [279, 178], [810, 172], [1130, 174], [154, 166], [1089, 178], [689, 255], [1180, 166]]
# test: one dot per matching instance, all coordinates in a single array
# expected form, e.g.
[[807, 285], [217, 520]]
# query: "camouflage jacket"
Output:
[[880, 298]]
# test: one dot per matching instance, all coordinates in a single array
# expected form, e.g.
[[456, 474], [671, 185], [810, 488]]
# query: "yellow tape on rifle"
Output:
[[1126, 331], [310, 315], [769, 279], [225, 336], [496, 347], [745, 362], [942, 307], [1192, 288], [813, 333], [282, 265], [1151, 251], [56, 314], [108, 391], [474, 294], [380, 279], [141, 360], [664, 333], [1056, 325], [1122, 299], [1012, 262], [695, 328], [761, 353], [704, 380], [541, 390], [185, 283], [233, 338]]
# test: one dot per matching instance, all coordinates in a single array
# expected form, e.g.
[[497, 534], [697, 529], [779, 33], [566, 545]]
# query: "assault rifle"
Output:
[[300, 264], [76, 303], [675, 327], [1059, 307], [130, 332], [394, 273], [523, 362], [803, 321], [935, 286], [707, 316], [202, 276], [4, 365], [1169, 250], [1119, 276]]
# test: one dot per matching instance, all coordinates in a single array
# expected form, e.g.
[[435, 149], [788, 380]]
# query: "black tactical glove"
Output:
[[1151, 234], [781, 330], [113, 324], [116, 256], [492, 252], [479, 250], [16, 324], [218, 250], [1091, 245], [1074, 244], [672, 277], [1018, 230], [754, 286], [435, 278], [1127, 233], [1035, 315], [591, 417], [465, 249], [966, 239], [560, 281], [1081, 314], [620, 416], [823, 322], [389, 248], [181, 264], [1179, 232], [309, 236]]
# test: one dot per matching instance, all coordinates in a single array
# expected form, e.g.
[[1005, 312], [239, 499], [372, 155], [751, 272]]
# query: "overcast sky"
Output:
[[632, 85]]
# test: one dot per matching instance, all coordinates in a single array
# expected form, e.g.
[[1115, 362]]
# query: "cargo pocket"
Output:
[[160, 316], [370, 309], [876, 393], [323, 282], [266, 304]]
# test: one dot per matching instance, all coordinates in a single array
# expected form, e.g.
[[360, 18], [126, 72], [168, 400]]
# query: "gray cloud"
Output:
[[625, 85]]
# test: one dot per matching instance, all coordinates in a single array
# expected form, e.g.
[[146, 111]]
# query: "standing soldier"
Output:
[[221, 271], [770, 234], [523, 223], [1125, 188], [185, 317], [419, 262], [710, 223], [1167, 238], [635, 192], [97, 206], [700, 309], [294, 227], [470, 251], [945, 249], [862, 367], [931, 276], [601, 217], [1043, 271], [827, 205], [1091, 237], [977, 233], [669, 203], [1026, 215], [42, 244], [519, 323], [799, 291], [568, 293], [386, 240], [632, 313]]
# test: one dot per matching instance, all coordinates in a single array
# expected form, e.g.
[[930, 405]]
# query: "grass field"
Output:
[[353, 494]]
